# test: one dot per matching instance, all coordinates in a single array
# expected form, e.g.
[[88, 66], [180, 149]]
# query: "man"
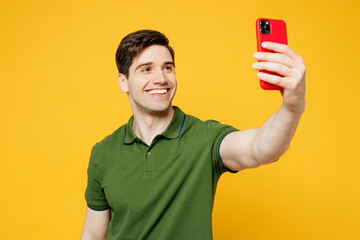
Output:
[[155, 177]]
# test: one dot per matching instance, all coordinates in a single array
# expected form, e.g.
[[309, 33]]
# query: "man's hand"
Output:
[[288, 64]]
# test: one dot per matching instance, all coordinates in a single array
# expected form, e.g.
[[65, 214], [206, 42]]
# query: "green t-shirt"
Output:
[[162, 191]]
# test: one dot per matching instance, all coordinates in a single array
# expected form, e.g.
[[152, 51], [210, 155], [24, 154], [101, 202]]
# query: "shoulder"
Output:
[[209, 127], [193, 124], [110, 140], [206, 124], [191, 120], [101, 151]]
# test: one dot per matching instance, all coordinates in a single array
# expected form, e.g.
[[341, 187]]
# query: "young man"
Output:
[[155, 177]]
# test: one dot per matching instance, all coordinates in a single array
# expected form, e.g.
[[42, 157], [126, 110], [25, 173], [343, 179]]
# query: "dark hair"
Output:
[[131, 45]]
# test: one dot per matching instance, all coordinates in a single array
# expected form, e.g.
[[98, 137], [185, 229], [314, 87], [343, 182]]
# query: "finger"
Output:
[[275, 57], [283, 48], [274, 67], [273, 79]]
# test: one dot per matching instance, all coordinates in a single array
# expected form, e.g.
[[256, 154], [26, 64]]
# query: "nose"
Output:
[[159, 77]]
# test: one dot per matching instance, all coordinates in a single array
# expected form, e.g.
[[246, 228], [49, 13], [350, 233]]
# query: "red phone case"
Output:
[[277, 34]]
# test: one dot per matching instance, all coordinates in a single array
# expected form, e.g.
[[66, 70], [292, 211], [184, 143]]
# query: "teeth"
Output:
[[158, 91]]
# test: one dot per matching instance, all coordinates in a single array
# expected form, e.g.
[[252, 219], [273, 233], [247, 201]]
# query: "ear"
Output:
[[123, 83]]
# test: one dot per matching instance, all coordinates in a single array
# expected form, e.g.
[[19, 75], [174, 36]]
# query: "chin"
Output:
[[153, 109], [159, 110]]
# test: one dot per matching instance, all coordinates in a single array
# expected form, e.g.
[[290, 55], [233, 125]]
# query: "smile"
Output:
[[158, 92]]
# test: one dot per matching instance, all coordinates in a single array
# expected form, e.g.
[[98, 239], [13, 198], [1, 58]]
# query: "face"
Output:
[[151, 83]]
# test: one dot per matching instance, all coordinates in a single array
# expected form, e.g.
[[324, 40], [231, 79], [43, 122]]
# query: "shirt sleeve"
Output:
[[216, 133], [94, 194]]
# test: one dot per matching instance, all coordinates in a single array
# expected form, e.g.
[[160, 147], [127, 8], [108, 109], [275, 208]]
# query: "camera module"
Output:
[[264, 27]]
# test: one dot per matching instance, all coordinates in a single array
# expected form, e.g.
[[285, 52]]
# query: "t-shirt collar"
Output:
[[172, 131]]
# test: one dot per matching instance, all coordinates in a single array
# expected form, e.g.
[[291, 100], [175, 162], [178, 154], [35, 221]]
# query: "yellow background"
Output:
[[59, 96]]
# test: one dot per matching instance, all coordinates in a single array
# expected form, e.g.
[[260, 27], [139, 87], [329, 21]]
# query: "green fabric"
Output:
[[162, 191]]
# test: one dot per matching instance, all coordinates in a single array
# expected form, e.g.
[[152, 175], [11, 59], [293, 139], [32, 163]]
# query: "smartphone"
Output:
[[270, 30]]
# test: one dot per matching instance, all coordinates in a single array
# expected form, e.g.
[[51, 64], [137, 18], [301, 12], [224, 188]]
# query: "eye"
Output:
[[146, 69], [168, 68]]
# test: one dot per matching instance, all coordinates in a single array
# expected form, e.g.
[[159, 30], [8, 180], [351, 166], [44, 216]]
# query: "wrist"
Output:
[[293, 111]]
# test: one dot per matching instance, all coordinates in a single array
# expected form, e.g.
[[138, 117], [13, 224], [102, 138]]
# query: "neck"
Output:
[[147, 126]]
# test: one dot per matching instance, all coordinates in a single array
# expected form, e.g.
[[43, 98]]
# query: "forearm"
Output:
[[96, 224], [86, 236], [274, 136]]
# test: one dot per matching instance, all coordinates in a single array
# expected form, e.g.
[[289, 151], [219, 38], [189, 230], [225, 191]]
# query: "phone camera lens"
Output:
[[264, 27]]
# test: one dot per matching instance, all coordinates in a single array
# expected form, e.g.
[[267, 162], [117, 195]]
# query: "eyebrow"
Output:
[[150, 63]]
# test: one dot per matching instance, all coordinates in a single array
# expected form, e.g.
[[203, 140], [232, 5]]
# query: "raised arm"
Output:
[[95, 225], [254, 147]]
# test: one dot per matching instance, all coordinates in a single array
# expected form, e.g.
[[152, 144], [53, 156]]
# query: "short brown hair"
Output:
[[131, 45]]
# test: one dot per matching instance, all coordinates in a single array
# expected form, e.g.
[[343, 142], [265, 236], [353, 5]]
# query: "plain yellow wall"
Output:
[[59, 96]]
